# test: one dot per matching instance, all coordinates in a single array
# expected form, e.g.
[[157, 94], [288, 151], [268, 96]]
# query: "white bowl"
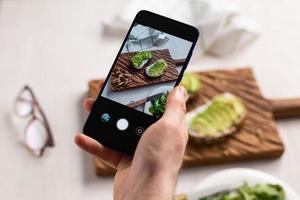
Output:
[[232, 178]]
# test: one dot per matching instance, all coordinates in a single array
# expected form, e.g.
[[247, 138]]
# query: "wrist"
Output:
[[152, 184]]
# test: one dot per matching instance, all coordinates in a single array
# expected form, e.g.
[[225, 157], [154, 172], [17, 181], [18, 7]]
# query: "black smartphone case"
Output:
[[107, 133]]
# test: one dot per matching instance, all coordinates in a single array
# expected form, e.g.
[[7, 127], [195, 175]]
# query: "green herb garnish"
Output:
[[246, 192], [158, 105]]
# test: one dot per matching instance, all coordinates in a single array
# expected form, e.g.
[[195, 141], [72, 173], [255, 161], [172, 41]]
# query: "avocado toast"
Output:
[[140, 59], [216, 119], [157, 69]]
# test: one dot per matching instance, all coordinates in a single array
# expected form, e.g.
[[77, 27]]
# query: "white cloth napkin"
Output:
[[223, 28]]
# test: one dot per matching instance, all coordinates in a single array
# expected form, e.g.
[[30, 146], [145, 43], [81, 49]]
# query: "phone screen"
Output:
[[147, 68]]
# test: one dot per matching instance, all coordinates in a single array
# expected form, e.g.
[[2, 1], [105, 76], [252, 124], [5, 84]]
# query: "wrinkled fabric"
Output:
[[224, 29]]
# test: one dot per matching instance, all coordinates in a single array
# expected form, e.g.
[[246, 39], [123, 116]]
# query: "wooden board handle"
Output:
[[179, 62], [136, 103], [283, 108]]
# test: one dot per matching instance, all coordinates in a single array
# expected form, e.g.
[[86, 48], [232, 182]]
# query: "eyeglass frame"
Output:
[[36, 107]]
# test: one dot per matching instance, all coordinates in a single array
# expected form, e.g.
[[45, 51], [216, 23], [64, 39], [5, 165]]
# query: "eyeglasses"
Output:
[[37, 135]]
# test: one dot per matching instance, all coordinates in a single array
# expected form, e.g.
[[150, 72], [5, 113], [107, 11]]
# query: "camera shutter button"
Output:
[[122, 124]]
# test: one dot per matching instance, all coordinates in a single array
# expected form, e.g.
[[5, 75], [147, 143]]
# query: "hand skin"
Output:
[[152, 172]]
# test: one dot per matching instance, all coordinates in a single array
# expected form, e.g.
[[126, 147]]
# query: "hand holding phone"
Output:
[[150, 63], [152, 172]]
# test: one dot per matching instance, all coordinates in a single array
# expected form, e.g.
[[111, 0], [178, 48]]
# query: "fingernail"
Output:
[[181, 91]]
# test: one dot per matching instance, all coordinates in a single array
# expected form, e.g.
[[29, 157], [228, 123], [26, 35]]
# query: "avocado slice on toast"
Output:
[[216, 119], [157, 69], [140, 59]]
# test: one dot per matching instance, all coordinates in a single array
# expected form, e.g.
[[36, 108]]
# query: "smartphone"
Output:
[[150, 63]]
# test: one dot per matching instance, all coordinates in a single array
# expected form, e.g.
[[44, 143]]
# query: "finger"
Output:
[[175, 107], [100, 84], [88, 104], [90, 145]]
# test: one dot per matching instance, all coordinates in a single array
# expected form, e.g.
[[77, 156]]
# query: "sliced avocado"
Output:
[[239, 107], [209, 130], [199, 127], [221, 118], [157, 69], [204, 123], [195, 83], [211, 120], [218, 117], [191, 82], [140, 59], [226, 109], [185, 82]]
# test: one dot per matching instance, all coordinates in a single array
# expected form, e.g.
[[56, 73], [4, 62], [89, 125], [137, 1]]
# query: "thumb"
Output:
[[175, 108]]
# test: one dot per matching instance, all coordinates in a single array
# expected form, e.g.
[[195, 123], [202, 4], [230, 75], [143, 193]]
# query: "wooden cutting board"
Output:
[[137, 77], [257, 138]]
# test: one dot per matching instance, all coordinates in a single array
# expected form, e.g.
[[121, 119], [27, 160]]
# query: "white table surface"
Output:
[[56, 46]]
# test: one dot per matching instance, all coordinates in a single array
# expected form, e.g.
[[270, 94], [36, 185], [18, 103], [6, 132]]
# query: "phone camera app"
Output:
[[122, 124], [146, 70]]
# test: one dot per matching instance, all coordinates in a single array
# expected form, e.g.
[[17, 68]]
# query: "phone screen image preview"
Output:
[[146, 69]]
